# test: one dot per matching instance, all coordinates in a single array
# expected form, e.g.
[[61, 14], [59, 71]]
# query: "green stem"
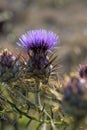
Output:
[[29, 116], [77, 123], [37, 94], [16, 126], [44, 125], [3, 124]]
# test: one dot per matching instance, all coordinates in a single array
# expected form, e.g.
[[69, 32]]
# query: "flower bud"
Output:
[[9, 65]]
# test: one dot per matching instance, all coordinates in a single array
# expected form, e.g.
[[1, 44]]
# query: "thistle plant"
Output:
[[26, 79], [19, 74], [75, 96], [37, 44]]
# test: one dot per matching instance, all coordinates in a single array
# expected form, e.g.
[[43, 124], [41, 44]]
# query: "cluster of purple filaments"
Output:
[[38, 40]]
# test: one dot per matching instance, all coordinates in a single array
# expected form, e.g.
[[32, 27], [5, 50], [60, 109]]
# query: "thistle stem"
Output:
[[16, 126], [77, 123], [37, 94], [44, 126]]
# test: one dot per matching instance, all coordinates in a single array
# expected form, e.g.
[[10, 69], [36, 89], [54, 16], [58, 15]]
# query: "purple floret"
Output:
[[38, 40]]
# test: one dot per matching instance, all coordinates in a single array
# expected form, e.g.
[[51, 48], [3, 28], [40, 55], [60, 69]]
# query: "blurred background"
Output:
[[67, 18]]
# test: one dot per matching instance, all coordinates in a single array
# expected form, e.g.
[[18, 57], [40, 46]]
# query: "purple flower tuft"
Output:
[[37, 40]]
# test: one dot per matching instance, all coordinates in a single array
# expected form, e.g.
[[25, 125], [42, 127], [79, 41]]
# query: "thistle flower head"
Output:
[[37, 43], [75, 97], [38, 40]]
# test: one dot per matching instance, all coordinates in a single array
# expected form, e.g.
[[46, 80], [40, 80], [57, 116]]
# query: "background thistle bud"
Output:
[[9, 65], [75, 97], [83, 71], [37, 44]]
